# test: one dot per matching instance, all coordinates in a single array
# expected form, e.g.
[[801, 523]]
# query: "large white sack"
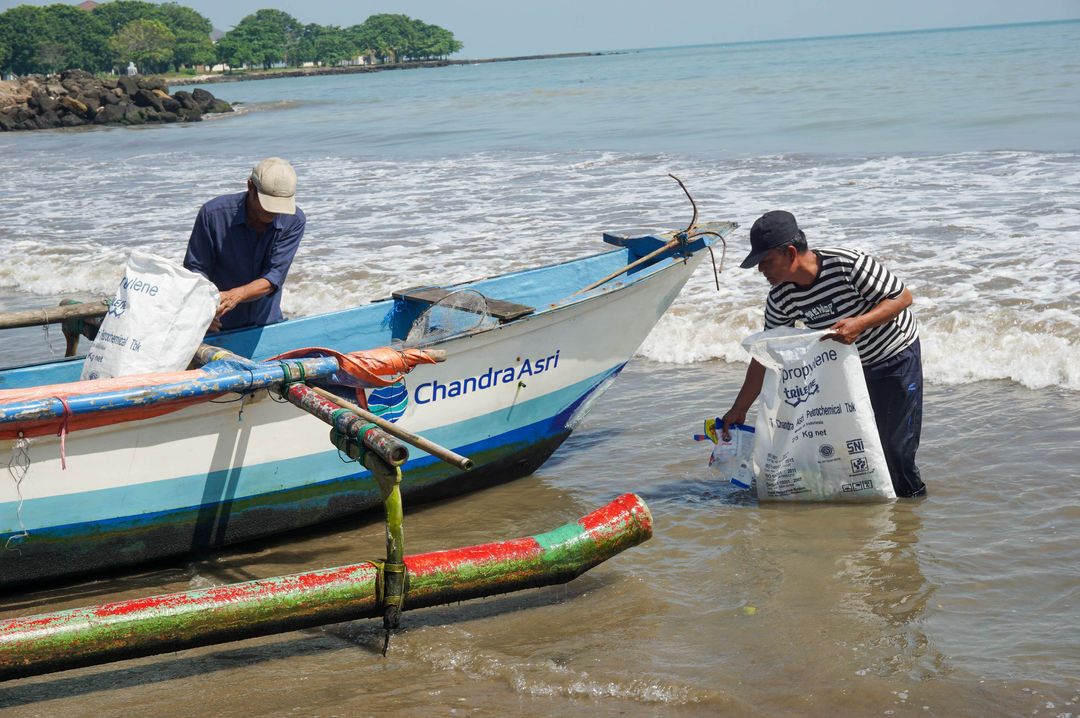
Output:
[[815, 434], [156, 321]]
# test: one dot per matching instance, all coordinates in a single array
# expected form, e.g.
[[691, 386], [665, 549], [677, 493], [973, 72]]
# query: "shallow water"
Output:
[[962, 604]]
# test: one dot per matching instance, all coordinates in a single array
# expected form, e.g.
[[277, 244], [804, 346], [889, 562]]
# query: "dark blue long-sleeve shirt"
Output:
[[227, 251]]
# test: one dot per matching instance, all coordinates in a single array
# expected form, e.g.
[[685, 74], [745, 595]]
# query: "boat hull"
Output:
[[215, 474]]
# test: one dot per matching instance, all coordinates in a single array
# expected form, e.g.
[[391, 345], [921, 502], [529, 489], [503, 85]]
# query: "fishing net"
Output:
[[459, 312]]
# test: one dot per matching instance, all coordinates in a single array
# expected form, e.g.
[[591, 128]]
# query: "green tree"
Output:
[[192, 45], [21, 29], [193, 49], [385, 36], [333, 46], [51, 57], [147, 43], [53, 38], [85, 37], [118, 13], [433, 41], [263, 38]]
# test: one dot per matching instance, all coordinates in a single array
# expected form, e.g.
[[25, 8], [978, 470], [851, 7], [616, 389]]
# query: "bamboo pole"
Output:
[[53, 315], [258, 377], [439, 452], [669, 245], [347, 423], [392, 595], [63, 640]]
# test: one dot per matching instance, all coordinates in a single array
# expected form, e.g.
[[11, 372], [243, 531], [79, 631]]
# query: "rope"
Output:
[[62, 432], [391, 605], [18, 467]]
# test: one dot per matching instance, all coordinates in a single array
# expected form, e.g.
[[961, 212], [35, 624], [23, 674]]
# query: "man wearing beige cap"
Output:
[[244, 243]]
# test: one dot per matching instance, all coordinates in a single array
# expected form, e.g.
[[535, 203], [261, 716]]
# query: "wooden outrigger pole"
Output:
[[117, 631]]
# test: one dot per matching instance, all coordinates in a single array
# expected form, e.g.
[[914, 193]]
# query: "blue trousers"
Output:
[[896, 390]]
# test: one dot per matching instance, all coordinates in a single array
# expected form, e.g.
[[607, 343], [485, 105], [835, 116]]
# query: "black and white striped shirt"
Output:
[[848, 284]]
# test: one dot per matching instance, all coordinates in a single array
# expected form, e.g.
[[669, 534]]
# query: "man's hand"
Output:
[[228, 301], [846, 331], [734, 416], [229, 298]]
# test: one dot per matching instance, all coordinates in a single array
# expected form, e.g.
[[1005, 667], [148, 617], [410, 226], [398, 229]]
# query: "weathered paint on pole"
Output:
[[117, 631], [257, 377], [347, 423]]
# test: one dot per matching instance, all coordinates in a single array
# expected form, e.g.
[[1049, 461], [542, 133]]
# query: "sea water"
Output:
[[953, 156]]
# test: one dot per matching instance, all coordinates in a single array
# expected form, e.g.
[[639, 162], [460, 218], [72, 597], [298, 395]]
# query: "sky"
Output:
[[508, 28]]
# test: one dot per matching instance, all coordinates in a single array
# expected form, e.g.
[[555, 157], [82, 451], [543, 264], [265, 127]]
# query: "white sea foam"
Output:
[[984, 240]]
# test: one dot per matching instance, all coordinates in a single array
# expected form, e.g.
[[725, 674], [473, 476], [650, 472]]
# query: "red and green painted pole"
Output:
[[117, 631]]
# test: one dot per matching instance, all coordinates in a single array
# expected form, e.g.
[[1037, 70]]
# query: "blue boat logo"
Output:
[[389, 402]]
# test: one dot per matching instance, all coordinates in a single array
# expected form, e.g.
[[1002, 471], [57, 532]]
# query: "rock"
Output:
[[145, 98], [204, 99], [80, 76], [48, 119], [186, 100], [152, 83], [124, 114], [149, 115], [127, 85], [110, 114], [170, 105], [76, 98], [93, 104], [73, 106], [41, 100]]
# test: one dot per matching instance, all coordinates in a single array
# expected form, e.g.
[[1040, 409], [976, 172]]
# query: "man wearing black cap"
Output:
[[859, 301]]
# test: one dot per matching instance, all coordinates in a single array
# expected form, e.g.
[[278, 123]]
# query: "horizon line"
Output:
[[877, 33]]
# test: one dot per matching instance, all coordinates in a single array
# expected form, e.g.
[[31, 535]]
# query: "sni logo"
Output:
[[855, 446]]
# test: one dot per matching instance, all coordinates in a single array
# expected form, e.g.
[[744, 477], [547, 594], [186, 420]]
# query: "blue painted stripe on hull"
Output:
[[545, 417], [71, 549]]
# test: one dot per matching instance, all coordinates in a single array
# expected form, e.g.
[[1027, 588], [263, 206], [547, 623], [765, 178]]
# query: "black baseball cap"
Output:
[[771, 230]]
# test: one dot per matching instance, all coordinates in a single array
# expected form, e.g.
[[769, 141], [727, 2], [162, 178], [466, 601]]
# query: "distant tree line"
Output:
[[162, 37]]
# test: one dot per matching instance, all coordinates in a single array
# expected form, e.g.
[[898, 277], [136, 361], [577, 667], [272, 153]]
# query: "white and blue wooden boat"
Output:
[[512, 390]]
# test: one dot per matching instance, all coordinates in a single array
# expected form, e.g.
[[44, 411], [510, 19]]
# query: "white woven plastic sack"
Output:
[[816, 438], [156, 321]]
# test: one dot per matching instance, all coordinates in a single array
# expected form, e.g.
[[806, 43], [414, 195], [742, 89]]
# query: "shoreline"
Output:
[[244, 75]]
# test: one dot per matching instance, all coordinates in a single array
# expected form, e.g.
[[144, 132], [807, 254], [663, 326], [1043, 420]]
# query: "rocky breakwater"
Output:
[[75, 98]]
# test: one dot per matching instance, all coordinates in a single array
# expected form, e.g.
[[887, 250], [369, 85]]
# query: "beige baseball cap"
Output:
[[275, 182]]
